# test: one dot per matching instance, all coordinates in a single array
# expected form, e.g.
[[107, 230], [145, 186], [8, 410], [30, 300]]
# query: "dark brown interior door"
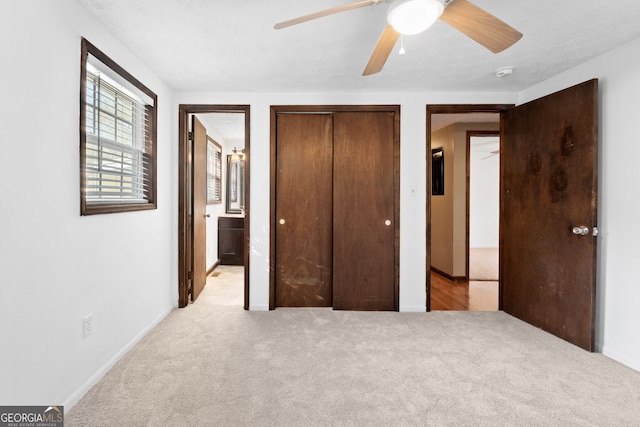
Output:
[[303, 276], [199, 238], [549, 200], [364, 219]]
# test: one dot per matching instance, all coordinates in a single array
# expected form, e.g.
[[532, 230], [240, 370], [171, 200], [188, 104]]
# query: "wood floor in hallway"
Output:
[[463, 296]]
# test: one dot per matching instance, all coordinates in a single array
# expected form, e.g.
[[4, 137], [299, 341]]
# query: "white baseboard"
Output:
[[97, 376], [413, 309], [631, 362], [258, 307]]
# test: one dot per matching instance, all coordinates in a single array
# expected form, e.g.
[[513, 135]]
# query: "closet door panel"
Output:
[[303, 228], [364, 226]]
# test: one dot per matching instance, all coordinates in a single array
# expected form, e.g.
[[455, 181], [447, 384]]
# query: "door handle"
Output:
[[207, 215], [581, 230], [281, 221]]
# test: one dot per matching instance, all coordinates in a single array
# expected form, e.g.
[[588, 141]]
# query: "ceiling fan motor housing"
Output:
[[414, 16]]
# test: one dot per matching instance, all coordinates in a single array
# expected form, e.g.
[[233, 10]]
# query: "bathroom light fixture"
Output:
[[237, 154], [414, 16]]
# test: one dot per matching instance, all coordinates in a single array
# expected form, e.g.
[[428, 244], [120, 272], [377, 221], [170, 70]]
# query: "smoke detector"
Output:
[[503, 72]]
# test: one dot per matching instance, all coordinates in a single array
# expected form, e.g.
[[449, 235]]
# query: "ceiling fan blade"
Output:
[[479, 25], [381, 52], [326, 12], [491, 154]]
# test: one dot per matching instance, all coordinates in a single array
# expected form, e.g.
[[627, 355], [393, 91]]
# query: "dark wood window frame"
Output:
[[148, 160]]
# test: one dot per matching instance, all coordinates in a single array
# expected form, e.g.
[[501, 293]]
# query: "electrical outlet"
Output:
[[87, 325]]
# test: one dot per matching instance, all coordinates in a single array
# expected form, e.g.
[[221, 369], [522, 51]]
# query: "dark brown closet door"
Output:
[[363, 211], [303, 226]]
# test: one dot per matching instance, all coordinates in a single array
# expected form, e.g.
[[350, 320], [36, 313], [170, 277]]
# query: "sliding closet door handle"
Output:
[[387, 222], [281, 221]]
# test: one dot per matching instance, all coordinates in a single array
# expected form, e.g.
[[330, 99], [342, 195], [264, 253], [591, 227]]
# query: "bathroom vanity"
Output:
[[231, 239]]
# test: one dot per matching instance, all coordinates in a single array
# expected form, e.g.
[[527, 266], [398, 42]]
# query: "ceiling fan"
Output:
[[414, 16], [491, 154]]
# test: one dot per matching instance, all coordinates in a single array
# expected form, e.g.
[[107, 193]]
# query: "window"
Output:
[[214, 172], [117, 138]]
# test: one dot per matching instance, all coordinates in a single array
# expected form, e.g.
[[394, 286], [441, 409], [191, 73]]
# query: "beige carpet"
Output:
[[483, 264], [214, 364]]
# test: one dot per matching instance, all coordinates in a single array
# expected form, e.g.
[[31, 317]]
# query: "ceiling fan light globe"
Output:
[[414, 16]]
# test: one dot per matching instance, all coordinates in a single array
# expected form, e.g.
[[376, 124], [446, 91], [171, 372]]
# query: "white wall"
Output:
[[460, 192], [56, 266], [217, 209], [484, 197], [449, 211], [412, 175], [618, 316], [442, 206]]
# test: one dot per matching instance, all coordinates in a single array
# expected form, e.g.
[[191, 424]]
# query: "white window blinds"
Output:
[[117, 123], [214, 172]]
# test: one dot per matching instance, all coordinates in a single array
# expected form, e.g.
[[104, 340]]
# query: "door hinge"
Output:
[[190, 136], [189, 282]]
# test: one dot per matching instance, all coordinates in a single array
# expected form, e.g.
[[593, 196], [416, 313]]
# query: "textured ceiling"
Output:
[[227, 126], [438, 121], [230, 45]]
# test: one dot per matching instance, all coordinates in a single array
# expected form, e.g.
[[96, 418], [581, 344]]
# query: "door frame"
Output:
[[452, 109], [185, 163], [297, 109], [471, 134]]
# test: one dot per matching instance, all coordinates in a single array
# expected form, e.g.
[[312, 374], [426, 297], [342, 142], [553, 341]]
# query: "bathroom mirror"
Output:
[[235, 183]]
